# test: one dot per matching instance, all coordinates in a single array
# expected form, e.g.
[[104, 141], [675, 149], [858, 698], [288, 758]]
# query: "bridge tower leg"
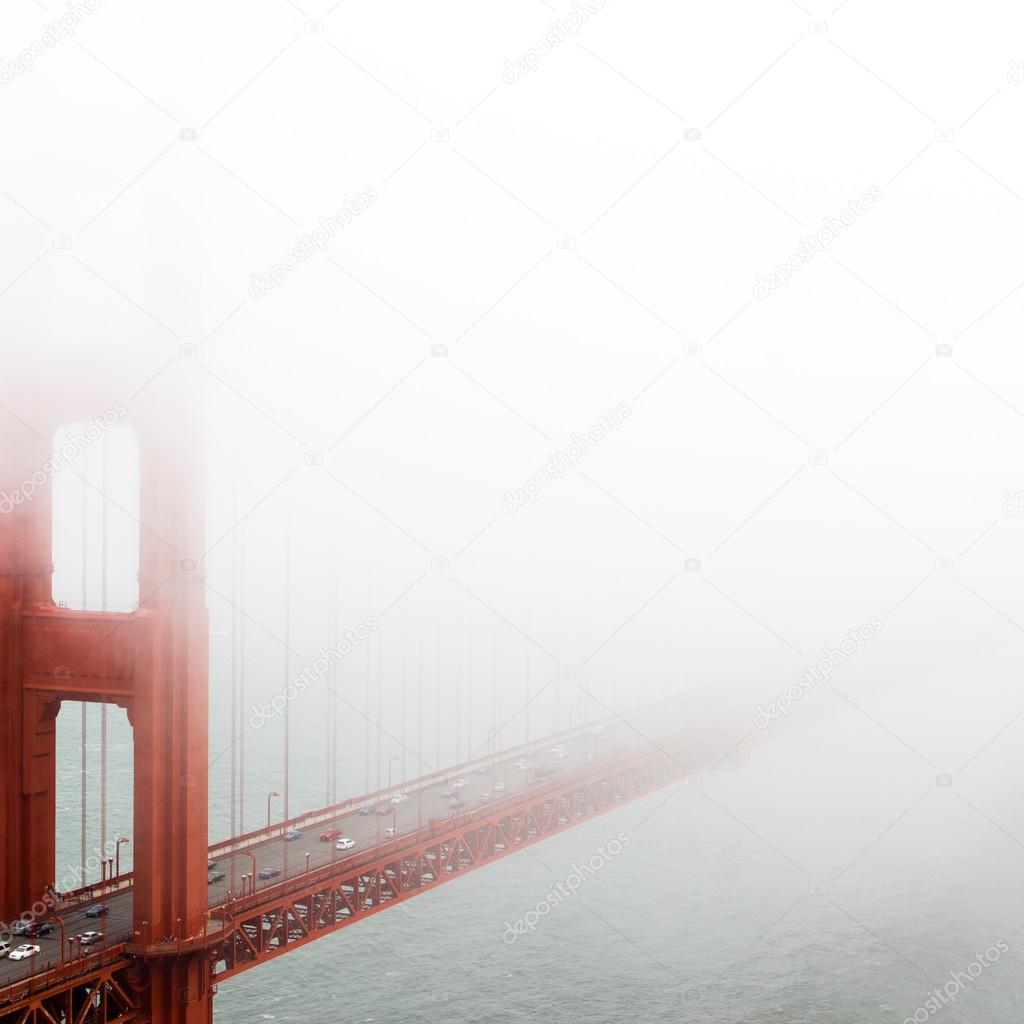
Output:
[[153, 662], [170, 716], [27, 726]]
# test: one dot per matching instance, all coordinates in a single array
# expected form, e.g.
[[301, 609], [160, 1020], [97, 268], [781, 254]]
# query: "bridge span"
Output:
[[408, 839]]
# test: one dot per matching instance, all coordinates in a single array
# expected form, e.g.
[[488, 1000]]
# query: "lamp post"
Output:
[[391, 762], [270, 797], [60, 921], [252, 857], [117, 855]]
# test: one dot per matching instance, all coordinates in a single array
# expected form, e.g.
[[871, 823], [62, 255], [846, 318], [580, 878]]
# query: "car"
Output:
[[270, 872], [214, 876], [521, 765], [482, 770], [390, 832], [366, 810], [98, 910], [400, 798], [345, 844], [596, 730], [448, 793], [90, 938], [21, 927], [5, 948], [385, 808], [559, 751], [460, 783], [292, 834], [24, 952], [485, 798], [499, 787], [456, 804], [210, 865], [330, 834], [43, 928]]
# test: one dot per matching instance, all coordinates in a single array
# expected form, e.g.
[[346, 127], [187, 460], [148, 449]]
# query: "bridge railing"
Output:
[[316, 817]]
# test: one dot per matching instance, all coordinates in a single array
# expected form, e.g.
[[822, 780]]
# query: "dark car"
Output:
[[210, 865], [98, 910], [270, 873], [43, 928], [366, 810], [214, 877]]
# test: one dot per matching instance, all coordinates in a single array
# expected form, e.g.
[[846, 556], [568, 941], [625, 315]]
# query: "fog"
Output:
[[496, 367]]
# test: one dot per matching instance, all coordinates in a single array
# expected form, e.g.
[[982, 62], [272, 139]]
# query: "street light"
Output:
[[391, 761], [117, 855], [270, 796]]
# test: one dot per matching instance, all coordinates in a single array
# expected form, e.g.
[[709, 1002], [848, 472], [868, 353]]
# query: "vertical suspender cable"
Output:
[[287, 653], [332, 685], [402, 697], [241, 685], [103, 607], [366, 712], [233, 804], [419, 705], [437, 697], [85, 605]]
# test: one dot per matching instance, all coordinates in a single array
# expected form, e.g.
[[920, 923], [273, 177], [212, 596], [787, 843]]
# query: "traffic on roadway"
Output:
[[29, 947]]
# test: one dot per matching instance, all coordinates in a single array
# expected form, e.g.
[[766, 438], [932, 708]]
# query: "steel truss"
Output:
[[299, 910]]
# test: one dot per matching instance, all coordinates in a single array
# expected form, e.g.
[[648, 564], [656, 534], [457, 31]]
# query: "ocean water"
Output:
[[830, 875], [780, 891]]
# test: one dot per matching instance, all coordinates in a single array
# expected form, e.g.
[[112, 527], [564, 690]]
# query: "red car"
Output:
[[330, 835]]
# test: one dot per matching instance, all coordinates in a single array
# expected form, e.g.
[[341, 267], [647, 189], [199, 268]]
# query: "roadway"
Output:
[[364, 824]]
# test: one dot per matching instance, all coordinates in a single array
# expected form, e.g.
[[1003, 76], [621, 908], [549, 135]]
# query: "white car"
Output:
[[345, 844], [521, 765], [5, 947], [459, 783], [559, 751], [400, 799], [390, 832], [88, 938], [24, 952], [499, 787]]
